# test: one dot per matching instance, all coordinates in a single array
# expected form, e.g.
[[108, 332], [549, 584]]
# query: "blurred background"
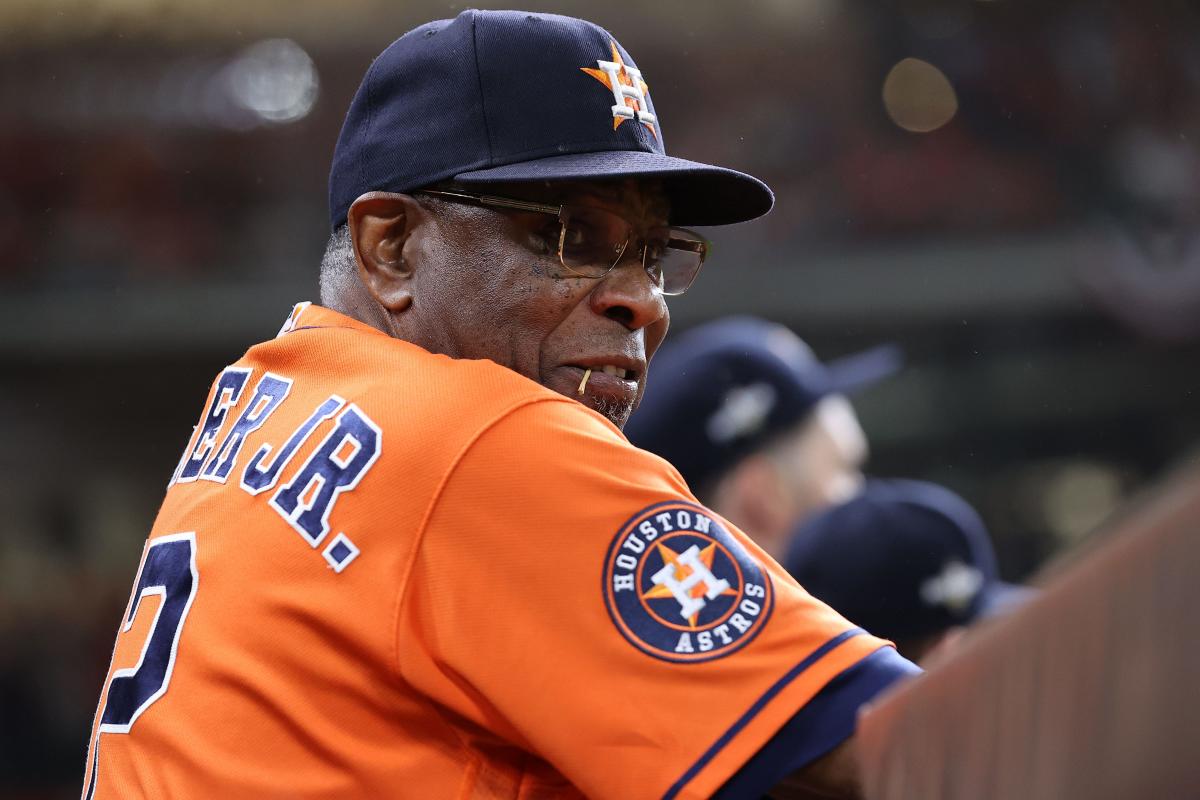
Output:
[[1008, 190]]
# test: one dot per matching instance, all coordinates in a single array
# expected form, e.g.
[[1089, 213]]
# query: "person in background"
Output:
[[909, 561], [761, 430]]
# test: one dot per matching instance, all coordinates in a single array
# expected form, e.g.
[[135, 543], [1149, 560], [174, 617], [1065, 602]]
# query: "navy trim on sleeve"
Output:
[[821, 725], [758, 706]]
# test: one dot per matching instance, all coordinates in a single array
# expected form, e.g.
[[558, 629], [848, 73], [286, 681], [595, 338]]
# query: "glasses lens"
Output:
[[676, 263], [593, 240]]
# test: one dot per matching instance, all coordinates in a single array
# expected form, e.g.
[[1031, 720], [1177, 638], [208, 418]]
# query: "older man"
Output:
[[402, 554]]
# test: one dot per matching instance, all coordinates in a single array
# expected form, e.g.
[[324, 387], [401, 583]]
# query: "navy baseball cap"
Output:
[[903, 559], [724, 389], [500, 96]]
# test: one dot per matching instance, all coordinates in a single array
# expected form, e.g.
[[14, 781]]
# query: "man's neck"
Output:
[[356, 302]]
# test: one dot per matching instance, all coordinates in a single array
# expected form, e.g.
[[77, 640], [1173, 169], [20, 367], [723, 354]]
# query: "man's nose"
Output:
[[629, 295]]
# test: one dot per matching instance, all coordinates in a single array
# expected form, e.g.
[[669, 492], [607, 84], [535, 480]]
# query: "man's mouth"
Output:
[[606, 375], [612, 389], [620, 372]]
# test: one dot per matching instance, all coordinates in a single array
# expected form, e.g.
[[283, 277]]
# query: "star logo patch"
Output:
[[628, 89], [680, 587]]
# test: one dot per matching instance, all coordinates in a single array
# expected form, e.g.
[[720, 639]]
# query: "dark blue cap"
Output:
[[903, 559], [512, 96], [723, 390]]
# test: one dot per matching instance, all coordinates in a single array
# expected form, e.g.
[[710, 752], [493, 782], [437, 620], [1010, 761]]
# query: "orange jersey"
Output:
[[379, 572]]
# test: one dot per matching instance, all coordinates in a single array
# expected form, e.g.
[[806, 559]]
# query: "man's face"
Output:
[[491, 286], [822, 459]]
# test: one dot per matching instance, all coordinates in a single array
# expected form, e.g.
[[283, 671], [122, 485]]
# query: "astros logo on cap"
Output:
[[628, 88], [679, 587]]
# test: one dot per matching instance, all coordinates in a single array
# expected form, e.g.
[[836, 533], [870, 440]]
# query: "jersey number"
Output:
[[169, 570]]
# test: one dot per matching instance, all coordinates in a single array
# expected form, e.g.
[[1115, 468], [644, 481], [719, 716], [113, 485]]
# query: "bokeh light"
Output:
[[918, 96], [1079, 496], [275, 79]]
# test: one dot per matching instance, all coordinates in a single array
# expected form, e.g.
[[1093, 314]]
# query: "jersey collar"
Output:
[[309, 315]]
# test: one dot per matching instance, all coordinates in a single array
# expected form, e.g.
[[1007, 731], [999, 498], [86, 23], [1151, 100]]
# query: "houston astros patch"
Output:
[[679, 586]]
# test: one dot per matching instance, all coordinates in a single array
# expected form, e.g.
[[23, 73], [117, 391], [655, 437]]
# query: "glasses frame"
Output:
[[698, 245]]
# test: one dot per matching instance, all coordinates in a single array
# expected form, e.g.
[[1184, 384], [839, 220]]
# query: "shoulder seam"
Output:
[[402, 587]]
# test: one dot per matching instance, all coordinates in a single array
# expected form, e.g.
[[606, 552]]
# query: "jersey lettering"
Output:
[[268, 394], [649, 532], [228, 389], [337, 466], [261, 474]]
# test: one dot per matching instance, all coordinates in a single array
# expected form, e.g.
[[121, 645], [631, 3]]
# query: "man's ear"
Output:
[[381, 224]]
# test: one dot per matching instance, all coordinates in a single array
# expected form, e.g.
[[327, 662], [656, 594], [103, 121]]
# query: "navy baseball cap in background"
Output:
[[724, 389], [903, 559], [495, 96]]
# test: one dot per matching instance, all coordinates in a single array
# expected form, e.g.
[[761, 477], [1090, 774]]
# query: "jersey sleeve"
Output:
[[570, 596]]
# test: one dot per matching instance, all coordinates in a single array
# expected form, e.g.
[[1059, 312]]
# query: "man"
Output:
[[759, 428], [907, 560], [407, 551]]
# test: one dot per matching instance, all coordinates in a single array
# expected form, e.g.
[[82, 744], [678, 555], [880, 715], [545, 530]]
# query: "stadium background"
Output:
[[1016, 207]]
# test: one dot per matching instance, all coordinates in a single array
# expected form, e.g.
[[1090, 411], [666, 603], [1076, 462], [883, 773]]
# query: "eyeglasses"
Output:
[[591, 241]]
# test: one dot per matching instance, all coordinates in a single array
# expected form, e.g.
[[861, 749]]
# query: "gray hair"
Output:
[[338, 267]]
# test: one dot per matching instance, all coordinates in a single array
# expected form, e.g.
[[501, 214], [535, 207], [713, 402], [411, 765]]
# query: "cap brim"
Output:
[[700, 194], [1000, 598], [851, 373]]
